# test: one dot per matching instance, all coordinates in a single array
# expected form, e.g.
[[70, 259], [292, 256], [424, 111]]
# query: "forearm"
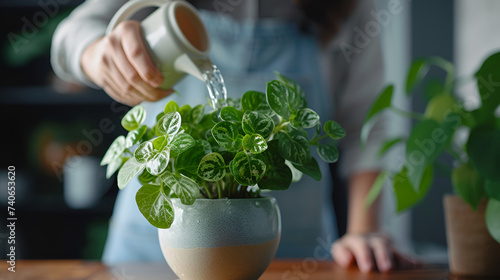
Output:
[[359, 218]]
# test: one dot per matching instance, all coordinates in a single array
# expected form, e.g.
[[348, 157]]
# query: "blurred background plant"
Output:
[[476, 157]]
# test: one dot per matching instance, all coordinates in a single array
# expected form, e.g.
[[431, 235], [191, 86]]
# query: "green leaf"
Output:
[[159, 162], [254, 101], [114, 166], [483, 148], [147, 178], [150, 133], [246, 169], [427, 140], [187, 163], [493, 189], [129, 170], [334, 130], [433, 88], [255, 143], [375, 190], [277, 177], [417, 72], [227, 135], [134, 118], [185, 112], [208, 120], [155, 206], [406, 195], [328, 152], [135, 136], [169, 124], [310, 168], [294, 87], [230, 114], [282, 100], [180, 143], [114, 151], [488, 83], [382, 102], [492, 218], [294, 146], [387, 145], [159, 116], [196, 114], [171, 107], [257, 122], [306, 118], [212, 167], [148, 150], [186, 189], [440, 106], [271, 155], [468, 184]]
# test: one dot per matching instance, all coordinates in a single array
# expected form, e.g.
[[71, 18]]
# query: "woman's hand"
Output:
[[120, 64], [369, 251]]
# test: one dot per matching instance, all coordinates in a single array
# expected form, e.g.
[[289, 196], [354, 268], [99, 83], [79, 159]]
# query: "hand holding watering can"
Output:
[[138, 62]]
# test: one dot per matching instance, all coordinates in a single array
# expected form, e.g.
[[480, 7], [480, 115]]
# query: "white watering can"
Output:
[[177, 39]]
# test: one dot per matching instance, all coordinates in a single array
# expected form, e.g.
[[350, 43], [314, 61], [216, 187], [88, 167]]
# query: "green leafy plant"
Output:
[[476, 172], [257, 143]]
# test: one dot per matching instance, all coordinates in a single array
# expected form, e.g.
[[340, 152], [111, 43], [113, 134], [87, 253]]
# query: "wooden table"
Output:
[[278, 270]]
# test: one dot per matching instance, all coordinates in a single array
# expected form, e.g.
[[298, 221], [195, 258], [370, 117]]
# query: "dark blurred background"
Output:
[[47, 125], [50, 127]]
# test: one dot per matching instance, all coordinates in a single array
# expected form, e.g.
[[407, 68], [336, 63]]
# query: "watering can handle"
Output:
[[130, 8]]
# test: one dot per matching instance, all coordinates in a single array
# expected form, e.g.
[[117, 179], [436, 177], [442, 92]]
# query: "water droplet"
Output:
[[257, 204]]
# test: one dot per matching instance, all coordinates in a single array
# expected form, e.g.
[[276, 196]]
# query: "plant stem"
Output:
[[279, 127], [219, 189], [446, 66], [206, 189], [314, 141], [413, 115]]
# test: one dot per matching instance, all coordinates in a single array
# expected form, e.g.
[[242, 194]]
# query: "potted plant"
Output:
[[203, 174], [472, 217]]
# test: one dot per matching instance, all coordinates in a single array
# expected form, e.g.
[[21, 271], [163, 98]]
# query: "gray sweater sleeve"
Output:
[[84, 25], [357, 81]]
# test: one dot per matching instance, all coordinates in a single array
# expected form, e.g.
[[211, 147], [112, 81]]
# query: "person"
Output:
[[249, 40]]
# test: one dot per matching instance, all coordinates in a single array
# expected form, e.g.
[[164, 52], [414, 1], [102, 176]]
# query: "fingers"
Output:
[[353, 247], [111, 89], [130, 79], [382, 253], [130, 85], [369, 250], [342, 255], [120, 64], [137, 54], [362, 253]]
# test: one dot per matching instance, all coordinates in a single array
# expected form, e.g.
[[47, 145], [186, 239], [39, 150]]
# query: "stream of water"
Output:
[[217, 92]]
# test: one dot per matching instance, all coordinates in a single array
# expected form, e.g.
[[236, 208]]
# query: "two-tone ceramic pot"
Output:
[[222, 238]]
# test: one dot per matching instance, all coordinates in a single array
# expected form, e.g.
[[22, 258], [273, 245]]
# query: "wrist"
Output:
[[87, 64]]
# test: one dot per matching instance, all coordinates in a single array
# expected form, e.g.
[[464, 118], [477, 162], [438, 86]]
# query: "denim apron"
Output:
[[247, 53]]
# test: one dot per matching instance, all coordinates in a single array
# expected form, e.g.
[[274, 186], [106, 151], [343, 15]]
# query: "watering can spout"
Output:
[[185, 64]]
